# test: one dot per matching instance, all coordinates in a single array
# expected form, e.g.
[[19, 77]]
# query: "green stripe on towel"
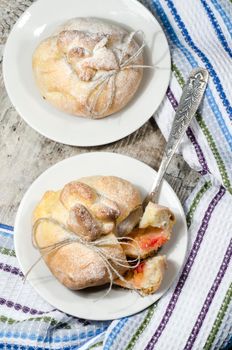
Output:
[[196, 201], [6, 251], [141, 328], [95, 345], [219, 319], [45, 319]]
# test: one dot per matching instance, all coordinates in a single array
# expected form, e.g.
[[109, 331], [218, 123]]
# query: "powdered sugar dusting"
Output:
[[91, 24], [91, 48], [102, 46]]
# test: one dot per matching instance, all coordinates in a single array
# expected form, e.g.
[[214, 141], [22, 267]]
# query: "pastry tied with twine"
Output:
[[102, 248], [89, 68], [86, 231]]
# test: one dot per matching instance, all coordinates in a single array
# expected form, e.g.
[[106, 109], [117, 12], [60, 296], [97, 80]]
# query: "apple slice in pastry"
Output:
[[147, 277]]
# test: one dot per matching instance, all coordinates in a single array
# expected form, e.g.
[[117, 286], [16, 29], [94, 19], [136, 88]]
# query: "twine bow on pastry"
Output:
[[107, 259], [101, 82]]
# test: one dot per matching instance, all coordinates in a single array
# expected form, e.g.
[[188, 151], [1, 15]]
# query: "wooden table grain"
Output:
[[25, 154]]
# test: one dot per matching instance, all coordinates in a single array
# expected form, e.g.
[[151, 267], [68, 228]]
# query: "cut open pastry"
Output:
[[156, 215], [147, 277], [101, 217], [154, 231], [146, 241]]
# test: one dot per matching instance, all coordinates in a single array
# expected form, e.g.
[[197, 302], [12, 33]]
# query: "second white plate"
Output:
[[119, 302], [37, 23]]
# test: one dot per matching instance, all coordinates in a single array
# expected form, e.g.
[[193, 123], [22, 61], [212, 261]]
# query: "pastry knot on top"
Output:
[[90, 214], [90, 207], [87, 52]]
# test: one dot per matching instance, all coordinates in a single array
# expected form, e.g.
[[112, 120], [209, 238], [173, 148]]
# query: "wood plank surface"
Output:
[[25, 154]]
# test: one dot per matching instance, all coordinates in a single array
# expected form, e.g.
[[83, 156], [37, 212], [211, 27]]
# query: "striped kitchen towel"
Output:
[[196, 312], [26, 319]]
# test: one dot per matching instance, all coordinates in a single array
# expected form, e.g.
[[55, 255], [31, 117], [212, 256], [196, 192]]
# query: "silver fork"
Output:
[[192, 94], [190, 100]]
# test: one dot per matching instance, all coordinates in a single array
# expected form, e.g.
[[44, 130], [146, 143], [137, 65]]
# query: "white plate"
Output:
[[37, 23], [119, 302]]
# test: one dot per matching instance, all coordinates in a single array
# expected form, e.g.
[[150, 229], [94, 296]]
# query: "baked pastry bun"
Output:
[[82, 68]]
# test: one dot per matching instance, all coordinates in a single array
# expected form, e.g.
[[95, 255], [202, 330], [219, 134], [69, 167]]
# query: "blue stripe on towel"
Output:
[[114, 332], [202, 56], [216, 27], [28, 347], [49, 339], [7, 227], [223, 14], [173, 37]]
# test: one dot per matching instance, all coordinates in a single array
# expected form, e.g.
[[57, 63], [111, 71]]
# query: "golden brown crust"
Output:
[[118, 190], [107, 200], [83, 223], [65, 64], [76, 191]]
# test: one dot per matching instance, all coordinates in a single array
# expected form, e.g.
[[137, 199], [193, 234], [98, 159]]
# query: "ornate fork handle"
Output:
[[191, 97]]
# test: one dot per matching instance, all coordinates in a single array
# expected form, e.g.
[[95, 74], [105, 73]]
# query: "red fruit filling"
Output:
[[140, 267], [152, 242]]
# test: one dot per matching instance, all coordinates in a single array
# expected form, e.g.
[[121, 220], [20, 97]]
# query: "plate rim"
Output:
[[83, 143], [20, 209]]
